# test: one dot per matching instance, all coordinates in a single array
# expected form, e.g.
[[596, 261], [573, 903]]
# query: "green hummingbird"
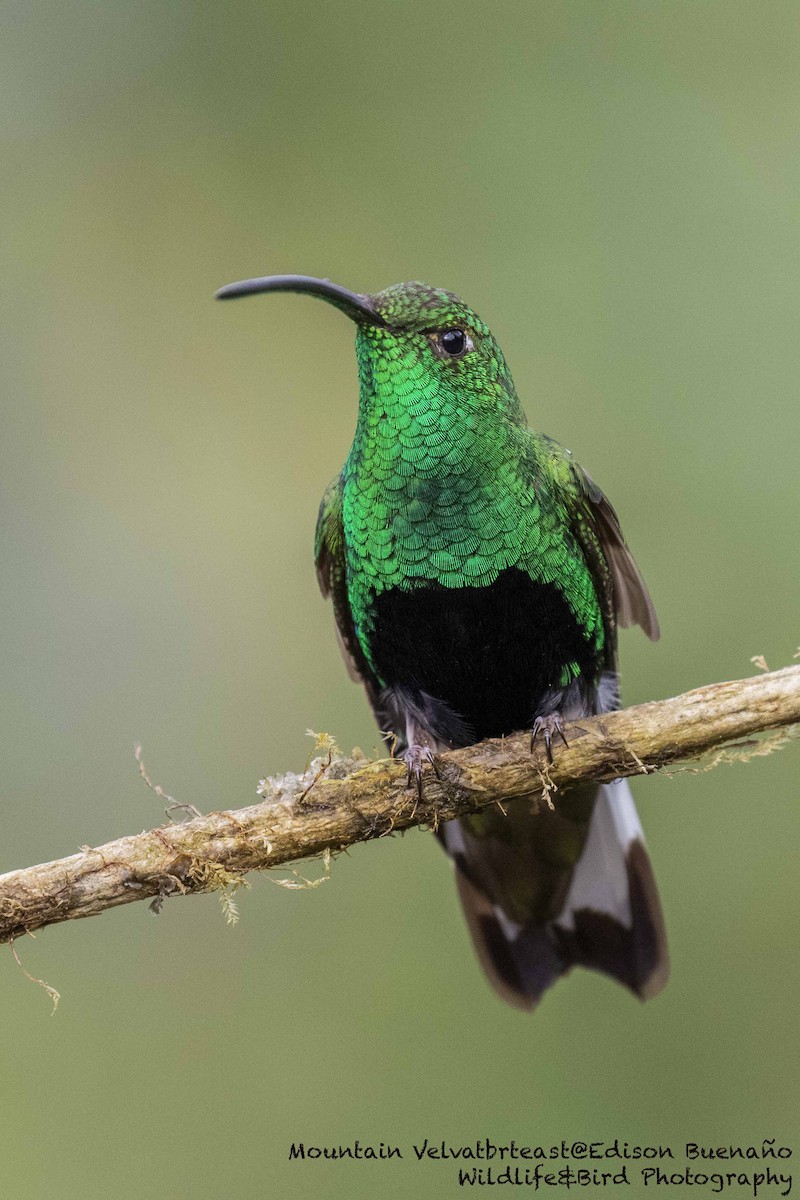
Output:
[[478, 576]]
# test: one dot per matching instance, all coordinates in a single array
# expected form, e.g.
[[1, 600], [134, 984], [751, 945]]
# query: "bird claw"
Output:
[[546, 728], [414, 756]]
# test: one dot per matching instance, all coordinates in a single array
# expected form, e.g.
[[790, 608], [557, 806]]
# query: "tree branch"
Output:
[[340, 801]]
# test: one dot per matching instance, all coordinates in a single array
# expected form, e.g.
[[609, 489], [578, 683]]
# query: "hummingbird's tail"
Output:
[[534, 911]]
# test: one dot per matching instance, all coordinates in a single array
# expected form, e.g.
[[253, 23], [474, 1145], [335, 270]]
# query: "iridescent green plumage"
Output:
[[478, 576], [445, 483]]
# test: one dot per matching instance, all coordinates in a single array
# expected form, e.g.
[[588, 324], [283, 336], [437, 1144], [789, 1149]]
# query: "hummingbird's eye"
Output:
[[452, 343]]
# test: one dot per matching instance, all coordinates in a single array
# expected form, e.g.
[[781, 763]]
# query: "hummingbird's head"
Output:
[[411, 339]]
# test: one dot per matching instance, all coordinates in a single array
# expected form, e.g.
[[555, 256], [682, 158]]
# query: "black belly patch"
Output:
[[490, 653]]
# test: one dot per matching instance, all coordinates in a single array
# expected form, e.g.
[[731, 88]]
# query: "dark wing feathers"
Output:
[[331, 575], [330, 560], [631, 598]]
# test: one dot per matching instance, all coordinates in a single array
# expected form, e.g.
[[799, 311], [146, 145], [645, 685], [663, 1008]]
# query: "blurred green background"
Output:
[[615, 187]]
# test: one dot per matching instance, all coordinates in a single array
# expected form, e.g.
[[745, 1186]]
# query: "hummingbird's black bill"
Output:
[[357, 307]]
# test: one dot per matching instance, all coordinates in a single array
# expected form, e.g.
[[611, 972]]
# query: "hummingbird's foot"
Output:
[[547, 728], [414, 756]]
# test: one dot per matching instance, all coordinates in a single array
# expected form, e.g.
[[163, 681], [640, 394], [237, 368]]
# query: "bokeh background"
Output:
[[616, 189]]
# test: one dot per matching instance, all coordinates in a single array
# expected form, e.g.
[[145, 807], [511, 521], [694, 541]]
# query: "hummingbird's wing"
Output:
[[330, 562], [329, 556], [598, 526]]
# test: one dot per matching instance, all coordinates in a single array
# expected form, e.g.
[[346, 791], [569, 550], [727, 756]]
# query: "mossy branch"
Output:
[[340, 801]]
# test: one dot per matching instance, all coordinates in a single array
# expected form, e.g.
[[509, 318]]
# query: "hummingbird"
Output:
[[478, 577]]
